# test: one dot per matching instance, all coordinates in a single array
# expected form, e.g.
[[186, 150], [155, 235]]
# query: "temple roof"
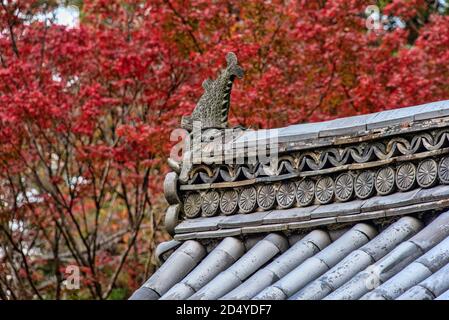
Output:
[[352, 208], [365, 175], [387, 245]]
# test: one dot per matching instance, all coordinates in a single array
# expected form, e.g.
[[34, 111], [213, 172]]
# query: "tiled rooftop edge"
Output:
[[355, 125], [414, 201]]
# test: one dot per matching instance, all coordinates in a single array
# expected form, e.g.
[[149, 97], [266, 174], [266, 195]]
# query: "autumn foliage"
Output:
[[86, 112]]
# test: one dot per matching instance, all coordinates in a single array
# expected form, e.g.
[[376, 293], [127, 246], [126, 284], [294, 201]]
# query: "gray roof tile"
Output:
[[224, 255], [345, 126], [321, 262], [243, 220], [392, 201], [238, 272], [359, 259], [414, 273], [355, 125], [432, 110], [443, 296], [429, 288], [337, 209], [289, 215], [301, 250], [404, 260], [391, 117]]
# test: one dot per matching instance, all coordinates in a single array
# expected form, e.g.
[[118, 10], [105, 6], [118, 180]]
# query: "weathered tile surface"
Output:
[[289, 215], [435, 193], [301, 131], [388, 118], [337, 209], [243, 220], [345, 126], [311, 223], [265, 228], [405, 253], [199, 224], [391, 201], [432, 110], [361, 216]]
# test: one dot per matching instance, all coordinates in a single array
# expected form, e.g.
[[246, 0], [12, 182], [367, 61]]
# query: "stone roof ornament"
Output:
[[208, 121], [212, 109]]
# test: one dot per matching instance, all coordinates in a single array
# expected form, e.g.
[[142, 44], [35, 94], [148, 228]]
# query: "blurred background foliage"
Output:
[[90, 91]]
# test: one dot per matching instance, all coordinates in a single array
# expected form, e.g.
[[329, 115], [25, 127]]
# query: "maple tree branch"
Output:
[[324, 94], [58, 276], [4, 282], [187, 24], [3, 295], [24, 261], [11, 31], [101, 244], [2, 60], [124, 256]]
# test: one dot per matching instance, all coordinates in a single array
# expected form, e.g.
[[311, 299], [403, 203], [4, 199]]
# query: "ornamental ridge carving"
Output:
[[321, 176], [209, 117], [326, 158], [427, 175], [321, 190], [212, 109]]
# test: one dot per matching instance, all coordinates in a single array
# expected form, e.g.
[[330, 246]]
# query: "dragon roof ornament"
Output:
[[207, 124], [212, 109]]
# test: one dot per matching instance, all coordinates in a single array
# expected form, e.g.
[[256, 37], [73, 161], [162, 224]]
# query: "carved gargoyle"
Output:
[[212, 109]]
